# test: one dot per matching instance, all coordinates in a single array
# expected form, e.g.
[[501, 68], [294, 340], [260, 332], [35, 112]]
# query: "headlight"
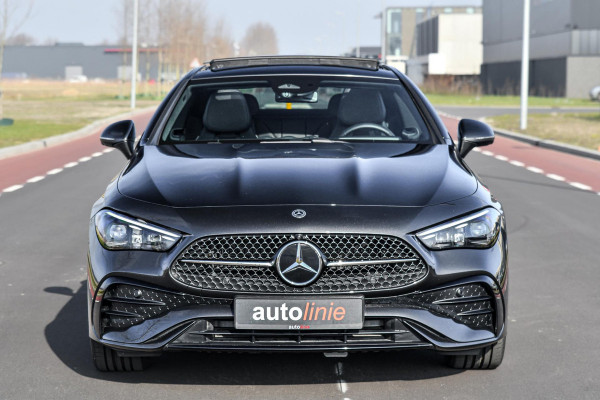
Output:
[[119, 232], [479, 230]]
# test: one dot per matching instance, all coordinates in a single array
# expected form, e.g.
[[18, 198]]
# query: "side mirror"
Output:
[[471, 134], [120, 135]]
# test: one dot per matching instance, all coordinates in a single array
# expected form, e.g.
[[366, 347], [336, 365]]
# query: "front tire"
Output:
[[488, 358], [107, 360]]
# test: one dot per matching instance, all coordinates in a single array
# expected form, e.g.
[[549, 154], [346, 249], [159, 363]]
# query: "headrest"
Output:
[[360, 106], [334, 103], [227, 112], [252, 103]]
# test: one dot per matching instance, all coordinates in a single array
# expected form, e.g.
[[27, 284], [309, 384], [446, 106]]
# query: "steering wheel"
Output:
[[366, 125]]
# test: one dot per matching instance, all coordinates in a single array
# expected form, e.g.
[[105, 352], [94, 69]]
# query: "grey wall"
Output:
[[582, 74], [558, 28], [560, 31], [503, 28], [49, 62], [503, 19], [427, 36], [585, 14], [546, 77]]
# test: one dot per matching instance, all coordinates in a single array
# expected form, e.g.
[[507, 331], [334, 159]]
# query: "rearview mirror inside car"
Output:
[[121, 136], [471, 134]]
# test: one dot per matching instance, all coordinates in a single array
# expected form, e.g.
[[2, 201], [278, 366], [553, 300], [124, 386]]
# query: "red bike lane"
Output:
[[579, 172], [31, 167]]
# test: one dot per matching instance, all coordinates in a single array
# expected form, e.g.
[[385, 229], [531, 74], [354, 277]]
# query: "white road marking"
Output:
[[107, 150], [556, 177], [536, 170], [84, 159], [517, 163], [487, 153], [97, 154], [580, 186], [477, 149], [54, 171], [71, 164], [343, 386], [502, 158], [35, 179], [12, 188]]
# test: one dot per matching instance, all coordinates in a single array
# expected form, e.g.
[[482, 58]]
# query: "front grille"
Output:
[[225, 275], [223, 333], [124, 306], [469, 304]]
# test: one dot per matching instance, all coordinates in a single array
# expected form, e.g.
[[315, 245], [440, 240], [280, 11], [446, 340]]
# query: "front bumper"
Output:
[[391, 322], [143, 319]]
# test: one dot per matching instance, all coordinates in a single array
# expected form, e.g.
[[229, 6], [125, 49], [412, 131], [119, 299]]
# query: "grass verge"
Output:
[[506, 101], [579, 129], [42, 109]]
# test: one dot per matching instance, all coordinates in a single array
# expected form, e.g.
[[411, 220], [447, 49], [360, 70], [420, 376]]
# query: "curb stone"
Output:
[[535, 141], [550, 144]]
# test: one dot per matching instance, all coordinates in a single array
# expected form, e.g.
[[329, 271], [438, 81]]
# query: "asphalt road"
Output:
[[552, 348]]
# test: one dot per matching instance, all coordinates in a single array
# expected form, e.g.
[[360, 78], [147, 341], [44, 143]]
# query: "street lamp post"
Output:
[[134, 52], [525, 65]]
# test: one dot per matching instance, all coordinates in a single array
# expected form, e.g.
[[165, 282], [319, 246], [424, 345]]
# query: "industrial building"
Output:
[[400, 22], [564, 47], [75, 60], [447, 46]]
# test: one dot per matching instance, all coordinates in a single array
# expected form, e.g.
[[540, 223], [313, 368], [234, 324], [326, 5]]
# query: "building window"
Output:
[[470, 10], [395, 21], [420, 13], [448, 10]]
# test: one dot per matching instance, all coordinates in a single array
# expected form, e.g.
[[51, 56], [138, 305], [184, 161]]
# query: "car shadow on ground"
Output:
[[67, 336]]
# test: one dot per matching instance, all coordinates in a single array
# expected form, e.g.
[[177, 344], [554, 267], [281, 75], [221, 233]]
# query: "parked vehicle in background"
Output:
[[595, 93]]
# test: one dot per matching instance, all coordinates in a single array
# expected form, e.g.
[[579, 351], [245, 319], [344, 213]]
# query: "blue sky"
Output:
[[305, 26]]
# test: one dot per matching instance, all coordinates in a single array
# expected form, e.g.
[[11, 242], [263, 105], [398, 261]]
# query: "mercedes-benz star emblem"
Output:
[[299, 263], [298, 213]]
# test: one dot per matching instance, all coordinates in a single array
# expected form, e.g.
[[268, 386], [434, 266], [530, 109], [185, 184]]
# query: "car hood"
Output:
[[386, 174]]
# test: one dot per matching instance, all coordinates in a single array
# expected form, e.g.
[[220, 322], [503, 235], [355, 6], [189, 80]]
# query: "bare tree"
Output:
[[182, 34], [220, 43], [13, 14], [51, 41], [179, 32], [260, 39], [20, 39]]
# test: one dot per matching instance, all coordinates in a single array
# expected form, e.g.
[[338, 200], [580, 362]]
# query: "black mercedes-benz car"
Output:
[[295, 204]]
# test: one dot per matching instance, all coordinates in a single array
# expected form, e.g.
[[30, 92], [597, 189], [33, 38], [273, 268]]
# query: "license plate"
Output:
[[301, 313]]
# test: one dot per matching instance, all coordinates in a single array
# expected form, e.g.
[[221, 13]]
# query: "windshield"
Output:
[[292, 108]]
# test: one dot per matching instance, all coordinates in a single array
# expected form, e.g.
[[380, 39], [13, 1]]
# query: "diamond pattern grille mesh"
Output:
[[335, 247]]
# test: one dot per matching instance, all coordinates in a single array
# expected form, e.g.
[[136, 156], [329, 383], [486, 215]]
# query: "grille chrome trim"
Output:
[[221, 262], [374, 262], [460, 300], [270, 264]]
